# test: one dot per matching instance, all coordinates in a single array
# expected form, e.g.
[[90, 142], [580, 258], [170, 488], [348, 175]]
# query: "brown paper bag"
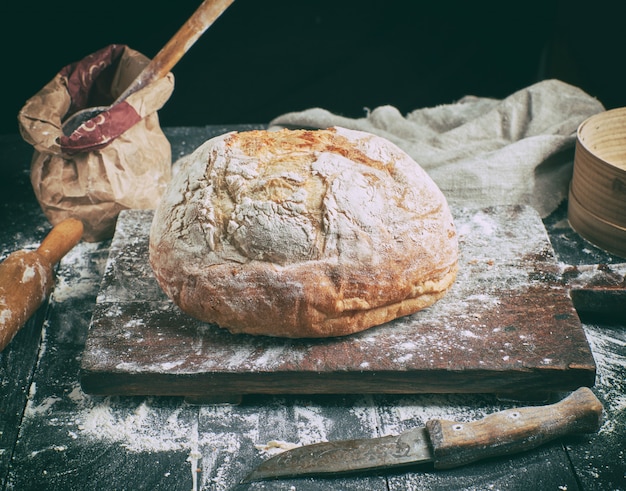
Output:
[[118, 160]]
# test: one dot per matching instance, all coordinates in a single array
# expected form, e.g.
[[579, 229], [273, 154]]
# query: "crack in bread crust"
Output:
[[302, 233]]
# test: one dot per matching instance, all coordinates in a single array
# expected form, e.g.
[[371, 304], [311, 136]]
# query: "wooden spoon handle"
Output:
[[60, 240], [176, 47]]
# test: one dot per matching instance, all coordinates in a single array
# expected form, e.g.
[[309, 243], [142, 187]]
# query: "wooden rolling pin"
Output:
[[27, 277]]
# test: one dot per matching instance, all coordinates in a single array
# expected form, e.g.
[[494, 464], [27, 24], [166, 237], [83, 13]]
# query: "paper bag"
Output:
[[119, 160]]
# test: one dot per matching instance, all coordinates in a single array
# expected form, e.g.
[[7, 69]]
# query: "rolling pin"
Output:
[[27, 277]]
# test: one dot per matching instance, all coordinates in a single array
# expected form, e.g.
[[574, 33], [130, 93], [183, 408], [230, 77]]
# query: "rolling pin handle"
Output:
[[61, 239]]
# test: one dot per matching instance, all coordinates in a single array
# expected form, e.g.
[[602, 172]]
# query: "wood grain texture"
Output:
[[20, 228], [75, 441], [507, 325], [455, 443]]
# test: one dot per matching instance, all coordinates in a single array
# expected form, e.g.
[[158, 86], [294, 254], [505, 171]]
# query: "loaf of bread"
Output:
[[299, 233]]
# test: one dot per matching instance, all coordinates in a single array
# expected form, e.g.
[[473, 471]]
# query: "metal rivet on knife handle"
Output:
[[515, 430]]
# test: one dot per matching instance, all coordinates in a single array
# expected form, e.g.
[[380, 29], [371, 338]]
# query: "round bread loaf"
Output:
[[299, 233]]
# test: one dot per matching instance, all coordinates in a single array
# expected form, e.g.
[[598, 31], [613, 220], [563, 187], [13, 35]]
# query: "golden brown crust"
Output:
[[302, 234]]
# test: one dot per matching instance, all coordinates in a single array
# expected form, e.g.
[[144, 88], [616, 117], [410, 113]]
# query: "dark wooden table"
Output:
[[54, 436]]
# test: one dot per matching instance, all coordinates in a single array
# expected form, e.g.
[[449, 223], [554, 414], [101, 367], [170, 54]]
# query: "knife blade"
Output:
[[446, 444]]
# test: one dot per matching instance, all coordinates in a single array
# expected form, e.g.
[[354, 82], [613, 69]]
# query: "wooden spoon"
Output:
[[163, 62]]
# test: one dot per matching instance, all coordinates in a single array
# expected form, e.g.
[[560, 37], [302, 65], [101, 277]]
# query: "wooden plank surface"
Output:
[[22, 226], [507, 325], [66, 439]]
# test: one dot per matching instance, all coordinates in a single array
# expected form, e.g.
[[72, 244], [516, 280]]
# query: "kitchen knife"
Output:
[[26, 277], [446, 444]]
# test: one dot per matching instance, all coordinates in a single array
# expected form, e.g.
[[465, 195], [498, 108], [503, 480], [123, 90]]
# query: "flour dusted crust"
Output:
[[300, 233]]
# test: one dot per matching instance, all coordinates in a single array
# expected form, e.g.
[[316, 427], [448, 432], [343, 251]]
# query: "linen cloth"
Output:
[[483, 151]]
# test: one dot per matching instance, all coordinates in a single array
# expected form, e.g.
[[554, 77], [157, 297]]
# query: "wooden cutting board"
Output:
[[507, 326]]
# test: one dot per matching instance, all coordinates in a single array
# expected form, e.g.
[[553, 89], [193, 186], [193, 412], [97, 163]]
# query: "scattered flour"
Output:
[[194, 456], [5, 316], [68, 286], [141, 426], [28, 274], [311, 424], [44, 407], [143, 430], [409, 412], [608, 348], [484, 223], [150, 426]]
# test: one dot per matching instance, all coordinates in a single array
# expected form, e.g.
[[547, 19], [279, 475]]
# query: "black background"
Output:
[[264, 58]]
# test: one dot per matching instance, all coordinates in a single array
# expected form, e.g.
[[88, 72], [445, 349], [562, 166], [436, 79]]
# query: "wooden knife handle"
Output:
[[513, 430]]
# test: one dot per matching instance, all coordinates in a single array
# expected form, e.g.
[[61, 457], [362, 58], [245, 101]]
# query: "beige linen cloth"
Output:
[[481, 151]]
